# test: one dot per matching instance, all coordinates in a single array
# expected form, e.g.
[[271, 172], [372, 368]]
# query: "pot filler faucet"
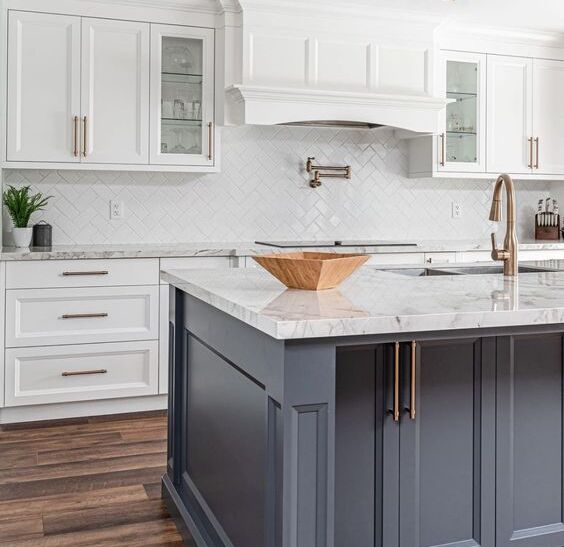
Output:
[[507, 255]]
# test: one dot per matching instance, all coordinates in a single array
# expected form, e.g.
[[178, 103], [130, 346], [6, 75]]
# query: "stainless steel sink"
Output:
[[481, 270], [463, 270]]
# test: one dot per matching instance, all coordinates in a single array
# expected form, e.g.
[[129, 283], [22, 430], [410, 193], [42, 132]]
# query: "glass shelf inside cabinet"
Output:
[[462, 114], [181, 95]]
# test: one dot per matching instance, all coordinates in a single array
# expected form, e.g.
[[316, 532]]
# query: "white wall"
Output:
[[262, 192]]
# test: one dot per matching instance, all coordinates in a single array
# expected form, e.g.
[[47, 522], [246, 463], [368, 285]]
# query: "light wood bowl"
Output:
[[309, 270]]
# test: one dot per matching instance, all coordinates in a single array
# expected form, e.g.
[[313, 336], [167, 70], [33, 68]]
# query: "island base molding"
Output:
[[367, 441]]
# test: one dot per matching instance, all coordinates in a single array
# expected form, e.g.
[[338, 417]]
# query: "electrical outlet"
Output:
[[456, 210], [116, 210]]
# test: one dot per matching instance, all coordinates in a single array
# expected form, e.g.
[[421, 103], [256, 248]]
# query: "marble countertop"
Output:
[[373, 301], [66, 252]]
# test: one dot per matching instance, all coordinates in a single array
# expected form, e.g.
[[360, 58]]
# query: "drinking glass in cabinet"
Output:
[[181, 96], [462, 114]]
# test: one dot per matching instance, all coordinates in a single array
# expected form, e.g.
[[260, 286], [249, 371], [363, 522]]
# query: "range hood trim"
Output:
[[261, 105]]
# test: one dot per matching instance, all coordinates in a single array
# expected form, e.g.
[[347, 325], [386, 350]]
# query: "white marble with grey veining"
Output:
[[77, 252], [377, 302]]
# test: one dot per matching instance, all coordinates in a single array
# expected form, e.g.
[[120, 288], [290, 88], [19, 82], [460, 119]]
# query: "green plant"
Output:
[[21, 204]]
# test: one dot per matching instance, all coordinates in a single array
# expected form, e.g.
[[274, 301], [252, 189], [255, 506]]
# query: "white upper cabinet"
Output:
[[43, 88], [510, 115], [182, 96], [115, 91], [462, 144], [106, 93], [548, 116]]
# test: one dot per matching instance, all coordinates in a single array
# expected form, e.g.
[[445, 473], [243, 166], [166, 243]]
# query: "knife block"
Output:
[[548, 232]]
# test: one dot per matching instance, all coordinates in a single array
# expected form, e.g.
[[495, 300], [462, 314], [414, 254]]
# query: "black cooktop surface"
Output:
[[343, 243]]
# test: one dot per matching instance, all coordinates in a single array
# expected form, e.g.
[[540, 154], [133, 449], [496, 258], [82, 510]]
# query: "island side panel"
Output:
[[226, 419]]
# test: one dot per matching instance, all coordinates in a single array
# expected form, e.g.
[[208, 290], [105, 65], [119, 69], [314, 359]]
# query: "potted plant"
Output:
[[21, 204]]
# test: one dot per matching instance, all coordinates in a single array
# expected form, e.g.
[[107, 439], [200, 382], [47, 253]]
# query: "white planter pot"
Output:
[[22, 236]]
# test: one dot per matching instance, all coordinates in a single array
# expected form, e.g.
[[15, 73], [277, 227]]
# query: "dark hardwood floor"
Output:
[[85, 482]]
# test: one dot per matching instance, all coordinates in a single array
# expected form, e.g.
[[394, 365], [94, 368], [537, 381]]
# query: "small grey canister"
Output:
[[42, 235]]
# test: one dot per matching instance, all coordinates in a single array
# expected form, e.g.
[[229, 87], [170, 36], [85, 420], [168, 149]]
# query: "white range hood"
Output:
[[325, 64]]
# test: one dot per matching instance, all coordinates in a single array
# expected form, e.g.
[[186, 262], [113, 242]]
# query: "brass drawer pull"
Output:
[[210, 141], [396, 411], [75, 137], [537, 158], [83, 315], [413, 390], [100, 272], [85, 372], [530, 152]]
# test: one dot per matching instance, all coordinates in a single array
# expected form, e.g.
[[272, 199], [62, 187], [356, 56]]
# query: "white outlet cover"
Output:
[[456, 210], [116, 210]]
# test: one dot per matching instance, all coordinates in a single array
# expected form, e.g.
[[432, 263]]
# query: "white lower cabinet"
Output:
[[81, 372], [40, 317]]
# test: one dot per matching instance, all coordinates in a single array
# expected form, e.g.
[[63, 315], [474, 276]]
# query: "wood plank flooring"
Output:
[[85, 482]]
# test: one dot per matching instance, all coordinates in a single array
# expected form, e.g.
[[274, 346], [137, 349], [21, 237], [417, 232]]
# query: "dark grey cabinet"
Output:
[[530, 439], [446, 471]]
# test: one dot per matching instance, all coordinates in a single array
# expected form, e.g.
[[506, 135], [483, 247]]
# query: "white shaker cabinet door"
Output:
[[548, 116], [43, 87], [510, 114], [115, 91]]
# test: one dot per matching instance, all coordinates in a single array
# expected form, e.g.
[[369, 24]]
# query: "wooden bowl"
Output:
[[309, 270]]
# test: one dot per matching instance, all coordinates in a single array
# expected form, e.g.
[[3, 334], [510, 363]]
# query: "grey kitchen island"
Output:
[[395, 411]]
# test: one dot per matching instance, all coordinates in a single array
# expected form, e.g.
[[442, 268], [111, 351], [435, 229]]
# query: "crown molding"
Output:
[[188, 6]]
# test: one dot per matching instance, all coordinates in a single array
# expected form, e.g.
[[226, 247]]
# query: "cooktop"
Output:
[[343, 243]]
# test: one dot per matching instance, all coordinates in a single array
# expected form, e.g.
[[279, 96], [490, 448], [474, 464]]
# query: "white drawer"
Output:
[[41, 274], [44, 317], [201, 262], [396, 258], [440, 258], [80, 373]]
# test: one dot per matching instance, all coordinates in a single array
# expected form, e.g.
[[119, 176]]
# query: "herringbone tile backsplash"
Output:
[[262, 192]]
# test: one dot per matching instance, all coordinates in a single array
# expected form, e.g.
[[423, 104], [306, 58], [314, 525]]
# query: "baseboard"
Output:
[[81, 409]]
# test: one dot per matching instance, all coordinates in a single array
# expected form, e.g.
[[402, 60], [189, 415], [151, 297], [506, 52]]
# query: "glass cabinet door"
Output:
[[182, 129], [462, 142]]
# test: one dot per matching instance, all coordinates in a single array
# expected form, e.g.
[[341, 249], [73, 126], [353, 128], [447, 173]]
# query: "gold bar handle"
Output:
[[443, 146], [83, 315], [85, 136], [75, 137], [100, 272], [413, 394], [537, 158], [530, 152], [396, 411], [85, 372], [210, 141]]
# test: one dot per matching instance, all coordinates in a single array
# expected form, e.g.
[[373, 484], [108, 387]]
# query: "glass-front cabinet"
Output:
[[462, 142], [182, 92]]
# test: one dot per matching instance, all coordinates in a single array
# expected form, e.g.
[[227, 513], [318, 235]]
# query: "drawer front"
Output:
[[80, 373], [44, 274], [200, 262], [396, 258], [42, 317]]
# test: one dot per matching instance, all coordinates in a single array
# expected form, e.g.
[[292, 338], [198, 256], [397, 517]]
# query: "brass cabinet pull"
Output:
[[85, 372], [210, 141], [75, 137], [537, 158], [396, 411], [83, 315], [413, 390], [100, 272], [84, 136], [443, 145], [530, 152]]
